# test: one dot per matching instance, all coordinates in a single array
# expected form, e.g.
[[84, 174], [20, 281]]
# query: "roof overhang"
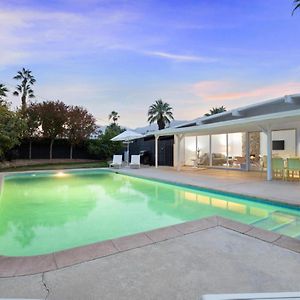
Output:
[[272, 121]]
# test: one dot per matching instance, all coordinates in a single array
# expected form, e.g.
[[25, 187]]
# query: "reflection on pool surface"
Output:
[[47, 212]]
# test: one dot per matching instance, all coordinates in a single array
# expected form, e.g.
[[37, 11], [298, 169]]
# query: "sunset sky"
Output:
[[122, 55]]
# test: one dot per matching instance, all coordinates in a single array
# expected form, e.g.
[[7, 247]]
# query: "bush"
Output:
[[103, 146]]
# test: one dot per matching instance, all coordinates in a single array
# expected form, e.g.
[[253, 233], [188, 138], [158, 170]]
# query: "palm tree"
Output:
[[114, 116], [215, 110], [160, 112], [3, 92], [297, 5], [24, 90]]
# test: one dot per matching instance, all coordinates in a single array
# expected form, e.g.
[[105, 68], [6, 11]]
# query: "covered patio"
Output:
[[264, 138]]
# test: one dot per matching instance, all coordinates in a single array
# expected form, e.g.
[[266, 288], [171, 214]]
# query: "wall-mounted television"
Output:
[[278, 145]]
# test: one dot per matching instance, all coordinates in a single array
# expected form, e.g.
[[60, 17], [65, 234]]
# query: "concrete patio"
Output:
[[252, 184], [214, 260]]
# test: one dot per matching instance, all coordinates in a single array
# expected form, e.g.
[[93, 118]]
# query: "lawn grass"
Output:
[[55, 166]]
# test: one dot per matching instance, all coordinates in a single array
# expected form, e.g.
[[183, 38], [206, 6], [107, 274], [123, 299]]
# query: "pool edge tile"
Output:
[[264, 235], [132, 241], [85, 253], [234, 225], [164, 233], [35, 264], [197, 225], [9, 265], [288, 243]]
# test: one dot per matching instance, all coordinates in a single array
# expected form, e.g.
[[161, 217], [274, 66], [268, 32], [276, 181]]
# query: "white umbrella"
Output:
[[127, 137]]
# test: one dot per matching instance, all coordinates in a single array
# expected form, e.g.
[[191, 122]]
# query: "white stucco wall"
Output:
[[182, 150], [291, 139]]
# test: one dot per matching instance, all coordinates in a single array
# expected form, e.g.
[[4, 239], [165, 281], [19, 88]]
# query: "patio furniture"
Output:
[[293, 168], [239, 162], [263, 163], [135, 161], [203, 160], [278, 167], [117, 161], [218, 159], [127, 137]]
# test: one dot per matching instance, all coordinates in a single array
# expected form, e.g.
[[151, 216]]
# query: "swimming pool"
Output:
[[46, 212]]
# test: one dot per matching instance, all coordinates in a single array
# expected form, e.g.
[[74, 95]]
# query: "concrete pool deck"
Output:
[[212, 260], [253, 184]]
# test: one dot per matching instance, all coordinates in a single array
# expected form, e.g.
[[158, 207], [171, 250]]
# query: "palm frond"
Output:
[[297, 5], [17, 77]]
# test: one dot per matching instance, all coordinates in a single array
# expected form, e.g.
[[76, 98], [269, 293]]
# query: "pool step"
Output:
[[297, 237], [292, 229], [275, 221]]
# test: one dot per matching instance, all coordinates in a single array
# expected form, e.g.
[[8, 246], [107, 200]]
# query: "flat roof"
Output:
[[271, 121]]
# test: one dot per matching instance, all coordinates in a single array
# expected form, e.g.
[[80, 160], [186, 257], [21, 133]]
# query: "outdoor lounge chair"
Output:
[[293, 168], [278, 167], [117, 161], [135, 161]]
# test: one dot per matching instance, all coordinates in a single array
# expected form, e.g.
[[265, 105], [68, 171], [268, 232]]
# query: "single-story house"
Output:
[[262, 136]]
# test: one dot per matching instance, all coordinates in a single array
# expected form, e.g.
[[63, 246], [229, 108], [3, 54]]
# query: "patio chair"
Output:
[[293, 168], [135, 161], [117, 161], [278, 167]]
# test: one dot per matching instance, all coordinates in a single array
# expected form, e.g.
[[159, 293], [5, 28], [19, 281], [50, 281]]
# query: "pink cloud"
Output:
[[228, 92]]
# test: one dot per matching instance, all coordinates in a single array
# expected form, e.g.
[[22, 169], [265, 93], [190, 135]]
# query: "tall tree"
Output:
[[11, 129], [160, 112], [80, 125], [53, 118], [3, 93], [114, 116], [297, 5], [215, 110], [32, 118], [24, 90]]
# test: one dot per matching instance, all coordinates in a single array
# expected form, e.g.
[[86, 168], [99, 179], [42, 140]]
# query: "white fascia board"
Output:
[[258, 121]]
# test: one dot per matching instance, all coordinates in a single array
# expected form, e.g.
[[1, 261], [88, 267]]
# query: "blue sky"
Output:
[[122, 55]]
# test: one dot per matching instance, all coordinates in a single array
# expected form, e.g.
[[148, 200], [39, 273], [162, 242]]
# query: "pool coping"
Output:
[[30, 265]]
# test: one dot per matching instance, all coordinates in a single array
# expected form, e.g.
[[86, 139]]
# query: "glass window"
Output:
[[203, 150], [237, 150], [190, 150], [219, 150]]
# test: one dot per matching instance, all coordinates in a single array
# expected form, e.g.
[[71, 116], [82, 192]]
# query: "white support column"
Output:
[[179, 139], [156, 151], [247, 151], [269, 155], [210, 154], [227, 161]]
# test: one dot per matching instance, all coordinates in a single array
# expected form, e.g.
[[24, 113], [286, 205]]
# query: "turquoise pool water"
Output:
[[46, 212]]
